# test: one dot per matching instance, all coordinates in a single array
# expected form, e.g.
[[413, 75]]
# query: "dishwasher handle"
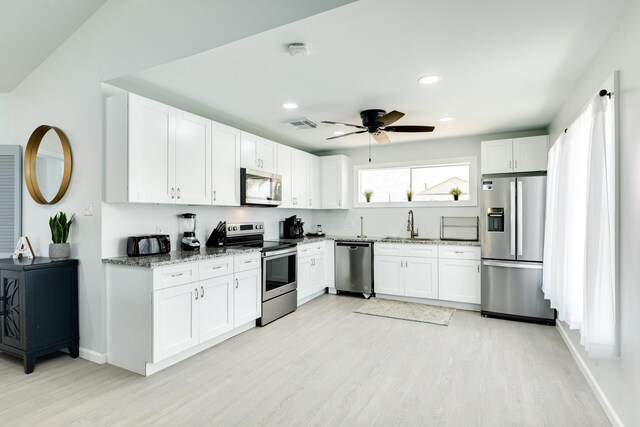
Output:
[[354, 245]]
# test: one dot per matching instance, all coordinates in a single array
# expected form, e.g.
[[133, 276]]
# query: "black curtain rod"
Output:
[[603, 92]]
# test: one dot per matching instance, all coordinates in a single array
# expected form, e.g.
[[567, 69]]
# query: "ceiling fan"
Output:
[[377, 122]]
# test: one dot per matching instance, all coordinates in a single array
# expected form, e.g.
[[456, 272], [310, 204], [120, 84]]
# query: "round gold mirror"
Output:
[[47, 165]]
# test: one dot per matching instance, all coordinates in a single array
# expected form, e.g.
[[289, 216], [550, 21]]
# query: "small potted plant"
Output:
[[409, 194], [368, 194], [59, 225], [455, 192]]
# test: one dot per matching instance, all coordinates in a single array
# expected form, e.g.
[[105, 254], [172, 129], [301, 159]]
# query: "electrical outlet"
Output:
[[88, 209]]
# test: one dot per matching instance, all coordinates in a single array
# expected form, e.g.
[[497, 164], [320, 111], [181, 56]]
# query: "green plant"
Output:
[[455, 191], [368, 193], [409, 193], [59, 226]]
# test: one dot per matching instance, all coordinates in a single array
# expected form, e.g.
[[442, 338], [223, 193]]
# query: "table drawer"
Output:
[[459, 252], [173, 275], [216, 267], [247, 262]]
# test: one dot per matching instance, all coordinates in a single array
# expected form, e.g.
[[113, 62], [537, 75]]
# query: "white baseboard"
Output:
[[604, 402], [93, 356], [440, 303], [311, 297]]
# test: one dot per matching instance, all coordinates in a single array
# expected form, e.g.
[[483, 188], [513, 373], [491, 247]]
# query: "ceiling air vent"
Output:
[[303, 123]]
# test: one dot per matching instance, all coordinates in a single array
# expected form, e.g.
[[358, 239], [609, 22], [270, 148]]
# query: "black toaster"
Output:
[[152, 244]]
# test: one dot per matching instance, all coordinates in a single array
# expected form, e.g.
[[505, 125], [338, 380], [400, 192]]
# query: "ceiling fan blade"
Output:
[[342, 124], [409, 128], [390, 117], [346, 134], [381, 137]]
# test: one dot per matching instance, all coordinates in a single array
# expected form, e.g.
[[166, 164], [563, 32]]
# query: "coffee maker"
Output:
[[188, 228], [292, 228]]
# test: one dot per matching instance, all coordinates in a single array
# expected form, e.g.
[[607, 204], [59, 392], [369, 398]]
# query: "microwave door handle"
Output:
[[512, 217], [519, 223]]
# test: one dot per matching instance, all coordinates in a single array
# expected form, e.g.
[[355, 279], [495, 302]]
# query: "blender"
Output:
[[188, 228]]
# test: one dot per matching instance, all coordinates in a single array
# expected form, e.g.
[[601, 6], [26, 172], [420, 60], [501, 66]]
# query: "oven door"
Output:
[[279, 274], [259, 188]]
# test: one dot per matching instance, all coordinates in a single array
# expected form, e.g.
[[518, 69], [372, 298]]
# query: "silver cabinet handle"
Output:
[[248, 262], [214, 195], [218, 267], [309, 201], [339, 202], [196, 293], [458, 252], [178, 193], [202, 291], [515, 163], [509, 164], [173, 193], [237, 283], [177, 274]]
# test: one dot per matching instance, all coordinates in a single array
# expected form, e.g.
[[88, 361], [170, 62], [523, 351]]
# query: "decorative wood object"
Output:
[[23, 248], [30, 158]]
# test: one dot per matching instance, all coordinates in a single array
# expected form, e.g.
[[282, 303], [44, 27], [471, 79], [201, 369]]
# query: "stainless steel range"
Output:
[[279, 274]]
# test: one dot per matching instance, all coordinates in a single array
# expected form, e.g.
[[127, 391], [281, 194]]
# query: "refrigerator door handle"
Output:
[[512, 265], [519, 222], [512, 217]]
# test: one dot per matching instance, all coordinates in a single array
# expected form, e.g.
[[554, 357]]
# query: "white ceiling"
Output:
[[504, 65], [30, 30]]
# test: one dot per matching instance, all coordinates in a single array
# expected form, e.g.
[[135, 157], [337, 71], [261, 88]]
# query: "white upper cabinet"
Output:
[[258, 153], [514, 155], [313, 182], [225, 165], [300, 168], [192, 155], [336, 182], [150, 143], [285, 170]]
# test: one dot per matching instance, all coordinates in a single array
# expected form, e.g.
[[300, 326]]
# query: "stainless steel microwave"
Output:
[[259, 188]]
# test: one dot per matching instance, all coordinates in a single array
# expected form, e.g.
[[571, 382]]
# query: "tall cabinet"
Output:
[[38, 308]]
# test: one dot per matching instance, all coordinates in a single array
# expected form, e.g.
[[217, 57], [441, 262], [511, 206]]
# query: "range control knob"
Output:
[[235, 228]]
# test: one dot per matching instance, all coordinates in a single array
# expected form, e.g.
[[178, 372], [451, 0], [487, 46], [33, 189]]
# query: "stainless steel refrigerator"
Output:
[[513, 212]]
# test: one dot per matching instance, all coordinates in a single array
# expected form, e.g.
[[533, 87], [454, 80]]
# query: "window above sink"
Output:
[[430, 180]]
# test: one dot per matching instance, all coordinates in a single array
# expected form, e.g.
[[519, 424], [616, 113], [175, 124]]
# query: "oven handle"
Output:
[[280, 253]]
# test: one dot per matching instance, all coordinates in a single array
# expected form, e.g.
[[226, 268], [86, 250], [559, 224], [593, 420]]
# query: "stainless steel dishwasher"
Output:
[[354, 267]]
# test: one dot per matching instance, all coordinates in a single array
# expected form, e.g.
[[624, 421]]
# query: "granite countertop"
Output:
[[384, 240], [177, 257]]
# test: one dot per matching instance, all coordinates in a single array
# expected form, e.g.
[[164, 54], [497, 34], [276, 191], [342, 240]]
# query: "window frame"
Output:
[[473, 183]]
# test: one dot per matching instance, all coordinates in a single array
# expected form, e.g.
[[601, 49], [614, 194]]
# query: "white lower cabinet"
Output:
[[460, 280], [388, 274], [175, 321], [406, 276], [248, 296], [312, 268], [216, 310]]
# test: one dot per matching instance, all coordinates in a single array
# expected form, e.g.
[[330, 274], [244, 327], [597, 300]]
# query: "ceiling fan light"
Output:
[[290, 105], [445, 119], [428, 80]]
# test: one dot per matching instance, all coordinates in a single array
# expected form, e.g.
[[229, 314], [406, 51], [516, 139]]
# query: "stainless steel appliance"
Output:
[[279, 270], [152, 244], [292, 228], [354, 267], [259, 188], [188, 228], [512, 241]]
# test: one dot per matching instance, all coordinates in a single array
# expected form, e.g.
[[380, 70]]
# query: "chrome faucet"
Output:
[[410, 226]]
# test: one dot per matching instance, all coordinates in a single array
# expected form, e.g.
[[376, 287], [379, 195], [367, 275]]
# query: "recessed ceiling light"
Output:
[[290, 105], [338, 132], [428, 80], [445, 119]]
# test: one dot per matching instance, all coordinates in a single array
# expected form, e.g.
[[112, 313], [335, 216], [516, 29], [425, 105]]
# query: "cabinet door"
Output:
[[285, 169], [225, 165], [249, 150], [267, 155], [247, 296], [12, 328], [421, 277], [388, 275], [175, 320], [300, 179], [331, 182], [459, 280], [216, 307], [318, 273], [305, 281], [496, 156], [151, 151], [193, 159], [313, 182], [530, 154]]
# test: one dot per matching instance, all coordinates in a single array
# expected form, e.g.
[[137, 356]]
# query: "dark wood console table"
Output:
[[38, 308]]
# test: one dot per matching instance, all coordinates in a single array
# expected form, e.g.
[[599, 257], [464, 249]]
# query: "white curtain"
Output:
[[579, 252]]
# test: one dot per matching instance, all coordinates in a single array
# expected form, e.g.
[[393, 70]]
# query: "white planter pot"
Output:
[[59, 251]]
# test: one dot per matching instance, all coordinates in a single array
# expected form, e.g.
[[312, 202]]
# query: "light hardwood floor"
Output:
[[325, 365]]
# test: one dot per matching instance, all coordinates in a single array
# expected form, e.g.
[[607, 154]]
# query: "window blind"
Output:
[[10, 198]]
